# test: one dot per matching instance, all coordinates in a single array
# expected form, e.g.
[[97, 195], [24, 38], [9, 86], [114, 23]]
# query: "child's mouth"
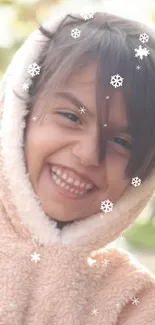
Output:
[[69, 187]]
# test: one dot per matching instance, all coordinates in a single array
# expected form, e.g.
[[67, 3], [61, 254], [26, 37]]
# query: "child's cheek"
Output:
[[115, 169]]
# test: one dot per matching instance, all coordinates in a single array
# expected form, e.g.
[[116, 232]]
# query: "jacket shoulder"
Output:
[[142, 309], [130, 286]]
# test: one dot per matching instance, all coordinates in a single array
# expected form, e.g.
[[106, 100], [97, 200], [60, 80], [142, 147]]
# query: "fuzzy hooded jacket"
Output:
[[50, 276]]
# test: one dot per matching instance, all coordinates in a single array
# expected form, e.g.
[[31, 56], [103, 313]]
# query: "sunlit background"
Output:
[[18, 18]]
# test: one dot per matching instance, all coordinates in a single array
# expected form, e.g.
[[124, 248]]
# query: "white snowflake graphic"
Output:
[[12, 305], [105, 125], [35, 257], [138, 67], [7, 306], [33, 69], [106, 206], [136, 181], [141, 52], [122, 237], [116, 81], [86, 15], [105, 262], [107, 97], [82, 110], [94, 311], [144, 38], [135, 301], [34, 118], [25, 86], [75, 33]]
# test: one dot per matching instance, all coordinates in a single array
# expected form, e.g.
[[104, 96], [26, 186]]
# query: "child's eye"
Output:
[[70, 116], [122, 141]]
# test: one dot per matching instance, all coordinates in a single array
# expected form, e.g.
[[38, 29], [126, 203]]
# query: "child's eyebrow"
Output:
[[114, 129], [121, 129], [73, 99]]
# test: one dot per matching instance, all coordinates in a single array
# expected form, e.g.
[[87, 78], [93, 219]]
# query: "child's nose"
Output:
[[87, 156], [86, 151]]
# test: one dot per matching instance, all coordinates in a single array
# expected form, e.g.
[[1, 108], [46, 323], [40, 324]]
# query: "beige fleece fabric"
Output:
[[70, 276]]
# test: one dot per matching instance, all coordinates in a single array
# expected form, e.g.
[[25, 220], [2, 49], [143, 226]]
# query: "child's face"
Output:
[[65, 142]]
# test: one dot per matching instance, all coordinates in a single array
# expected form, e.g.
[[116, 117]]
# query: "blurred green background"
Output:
[[18, 19]]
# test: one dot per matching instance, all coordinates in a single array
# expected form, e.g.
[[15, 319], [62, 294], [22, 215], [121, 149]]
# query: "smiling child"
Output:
[[77, 157]]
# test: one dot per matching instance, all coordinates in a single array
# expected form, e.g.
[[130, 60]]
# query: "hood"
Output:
[[17, 197]]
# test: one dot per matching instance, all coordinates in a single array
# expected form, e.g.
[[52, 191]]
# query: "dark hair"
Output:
[[110, 41]]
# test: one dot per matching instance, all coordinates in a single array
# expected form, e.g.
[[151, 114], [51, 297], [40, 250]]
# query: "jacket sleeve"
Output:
[[142, 312]]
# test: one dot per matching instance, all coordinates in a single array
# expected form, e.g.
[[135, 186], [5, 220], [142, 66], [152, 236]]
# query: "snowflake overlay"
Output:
[[144, 38], [12, 304], [116, 81], [86, 15], [106, 206], [25, 86], [35, 257], [135, 301], [34, 118], [105, 262], [33, 69], [141, 51], [75, 33], [82, 110], [138, 67], [94, 311], [122, 237], [136, 181]]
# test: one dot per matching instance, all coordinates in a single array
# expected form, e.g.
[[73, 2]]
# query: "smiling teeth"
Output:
[[63, 176], [66, 186]]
